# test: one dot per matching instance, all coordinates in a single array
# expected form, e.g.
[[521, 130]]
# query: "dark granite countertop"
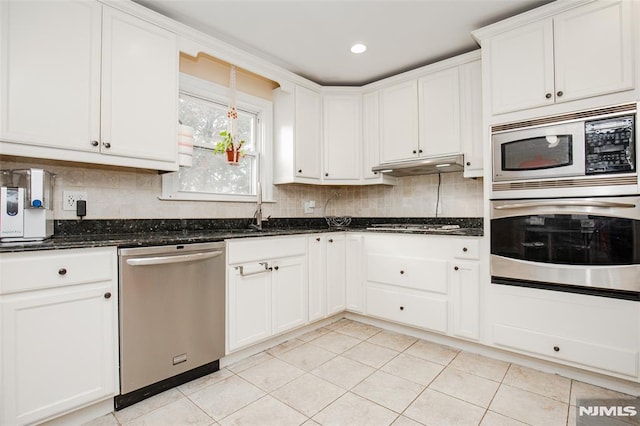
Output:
[[150, 232]]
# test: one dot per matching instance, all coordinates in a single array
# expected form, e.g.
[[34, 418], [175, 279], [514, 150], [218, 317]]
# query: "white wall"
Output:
[[121, 193]]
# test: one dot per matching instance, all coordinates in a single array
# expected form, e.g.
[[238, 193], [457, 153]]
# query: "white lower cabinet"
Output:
[[267, 288], [59, 332], [354, 273], [327, 274], [596, 333], [335, 274]]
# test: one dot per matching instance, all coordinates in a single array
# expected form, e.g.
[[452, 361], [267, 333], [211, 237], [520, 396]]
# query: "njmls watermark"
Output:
[[607, 412]]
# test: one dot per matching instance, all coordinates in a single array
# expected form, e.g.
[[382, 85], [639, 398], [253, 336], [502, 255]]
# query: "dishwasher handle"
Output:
[[161, 260]]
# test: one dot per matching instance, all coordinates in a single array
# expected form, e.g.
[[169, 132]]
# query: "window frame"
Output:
[[209, 91]]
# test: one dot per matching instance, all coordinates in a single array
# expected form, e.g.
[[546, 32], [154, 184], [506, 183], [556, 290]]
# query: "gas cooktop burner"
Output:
[[412, 227]]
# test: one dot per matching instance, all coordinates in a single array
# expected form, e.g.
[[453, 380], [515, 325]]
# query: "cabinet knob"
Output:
[[455, 268], [464, 249], [548, 96], [402, 308], [330, 240], [468, 163], [318, 239], [419, 151], [95, 143], [62, 271], [107, 295], [299, 170], [559, 93], [415, 152], [556, 348], [401, 272], [106, 145], [276, 267], [326, 174]]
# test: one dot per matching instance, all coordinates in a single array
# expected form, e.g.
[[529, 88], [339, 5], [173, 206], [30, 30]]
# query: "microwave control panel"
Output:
[[610, 146]]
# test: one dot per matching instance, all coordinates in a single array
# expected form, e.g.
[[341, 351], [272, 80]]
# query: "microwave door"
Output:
[[538, 153]]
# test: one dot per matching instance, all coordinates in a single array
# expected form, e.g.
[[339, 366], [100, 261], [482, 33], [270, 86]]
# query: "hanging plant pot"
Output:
[[233, 156]]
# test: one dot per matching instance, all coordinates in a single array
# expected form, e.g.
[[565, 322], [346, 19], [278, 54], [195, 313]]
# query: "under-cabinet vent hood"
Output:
[[423, 166]]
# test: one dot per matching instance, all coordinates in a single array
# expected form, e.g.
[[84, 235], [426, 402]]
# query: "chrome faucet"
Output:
[[258, 214]]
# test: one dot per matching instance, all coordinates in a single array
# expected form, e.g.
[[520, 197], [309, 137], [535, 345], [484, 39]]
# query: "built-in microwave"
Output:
[[588, 149]]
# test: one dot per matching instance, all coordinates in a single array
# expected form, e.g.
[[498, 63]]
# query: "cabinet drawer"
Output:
[[55, 268], [264, 248], [411, 272], [608, 358], [466, 249], [408, 307]]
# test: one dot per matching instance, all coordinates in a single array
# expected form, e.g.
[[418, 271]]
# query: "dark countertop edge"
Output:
[[155, 239]]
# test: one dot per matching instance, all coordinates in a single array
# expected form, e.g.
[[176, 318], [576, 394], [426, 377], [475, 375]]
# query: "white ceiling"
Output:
[[312, 38]]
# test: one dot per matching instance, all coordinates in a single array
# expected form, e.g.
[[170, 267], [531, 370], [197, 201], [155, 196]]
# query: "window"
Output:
[[203, 105]]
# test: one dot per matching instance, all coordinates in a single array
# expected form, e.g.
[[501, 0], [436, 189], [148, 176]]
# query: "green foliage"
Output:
[[227, 144]]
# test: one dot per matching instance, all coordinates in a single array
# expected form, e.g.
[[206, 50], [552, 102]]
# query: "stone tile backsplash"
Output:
[[119, 193]]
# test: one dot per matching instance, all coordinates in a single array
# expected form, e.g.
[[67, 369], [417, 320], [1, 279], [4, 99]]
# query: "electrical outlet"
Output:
[[69, 199]]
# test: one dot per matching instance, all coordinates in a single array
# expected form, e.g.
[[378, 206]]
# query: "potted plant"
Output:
[[227, 145]]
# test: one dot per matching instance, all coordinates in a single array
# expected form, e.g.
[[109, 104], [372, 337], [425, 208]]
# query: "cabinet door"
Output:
[[439, 109], [140, 88], [593, 50], [289, 293], [336, 268], [399, 122], [248, 305], [354, 273], [50, 73], [59, 350], [370, 134], [317, 261], [342, 137], [471, 129], [307, 133], [465, 299], [521, 64]]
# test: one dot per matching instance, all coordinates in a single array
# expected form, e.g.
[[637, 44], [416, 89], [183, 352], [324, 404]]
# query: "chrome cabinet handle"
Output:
[[576, 203], [147, 261], [261, 271]]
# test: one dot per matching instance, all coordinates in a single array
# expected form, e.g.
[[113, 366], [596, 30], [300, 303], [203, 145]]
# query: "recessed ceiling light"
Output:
[[358, 48]]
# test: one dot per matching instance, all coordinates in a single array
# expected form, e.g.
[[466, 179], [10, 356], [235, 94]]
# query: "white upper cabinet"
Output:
[[342, 136], [307, 131], [50, 75], [80, 80], [439, 109], [139, 87], [583, 52], [471, 129], [399, 122]]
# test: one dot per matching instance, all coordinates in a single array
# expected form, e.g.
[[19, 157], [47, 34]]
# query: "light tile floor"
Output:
[[350, 373]]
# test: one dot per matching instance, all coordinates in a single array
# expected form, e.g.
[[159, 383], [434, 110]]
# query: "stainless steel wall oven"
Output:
[[581, 245]]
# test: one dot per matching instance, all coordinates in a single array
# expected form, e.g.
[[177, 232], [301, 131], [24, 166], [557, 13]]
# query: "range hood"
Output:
[[423, 166]]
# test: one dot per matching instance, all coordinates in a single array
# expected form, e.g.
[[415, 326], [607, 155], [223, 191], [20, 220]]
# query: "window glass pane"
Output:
[[207, 118]]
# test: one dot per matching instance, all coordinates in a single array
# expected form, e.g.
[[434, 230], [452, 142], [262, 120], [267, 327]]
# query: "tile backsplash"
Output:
[[120, 193]]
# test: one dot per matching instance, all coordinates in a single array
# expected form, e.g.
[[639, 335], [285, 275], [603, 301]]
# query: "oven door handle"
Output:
[[161, 260], [576, 203]]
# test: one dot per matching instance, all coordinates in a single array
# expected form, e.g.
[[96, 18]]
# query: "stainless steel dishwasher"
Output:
[[172, 317]]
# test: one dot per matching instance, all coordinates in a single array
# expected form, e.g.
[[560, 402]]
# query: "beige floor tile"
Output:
[[250, 362], [310, 422], [432, 352], [414, 369], [270, 375], [389, 339], [148, 405], [201, 383], [180, 412], [226, 397], [479, 365], [308, 394], [335, 342], [359, 330], [285, 347], [392, 392], [352, 410], [339, 324], [266, 411], [545, 384], [307, 356], [343, 372], [465, 386], [311, 335], [405, 421], [529, 407], [585, 390], [435, 408], [495, 419], [372, 355], [108, 420]]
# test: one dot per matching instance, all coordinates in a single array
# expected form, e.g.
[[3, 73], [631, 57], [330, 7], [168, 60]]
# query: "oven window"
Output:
[[544, 152], [567, 239]]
